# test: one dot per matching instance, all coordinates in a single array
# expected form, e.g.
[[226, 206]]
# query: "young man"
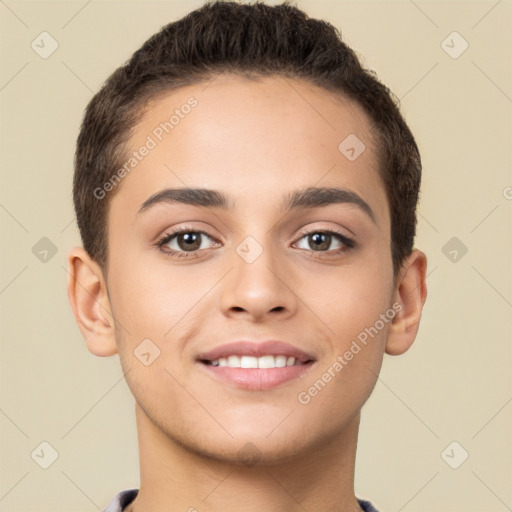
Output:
[[246, 197]]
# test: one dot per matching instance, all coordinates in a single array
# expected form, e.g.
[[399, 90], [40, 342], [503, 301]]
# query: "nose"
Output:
[[258, 289]]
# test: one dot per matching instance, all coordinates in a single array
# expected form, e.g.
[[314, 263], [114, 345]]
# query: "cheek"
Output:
[[348, 373], [157, 312], [149, 301], [351, 304], [348, 302]]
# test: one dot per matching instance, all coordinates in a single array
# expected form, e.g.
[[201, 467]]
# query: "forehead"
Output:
[[252, 139]]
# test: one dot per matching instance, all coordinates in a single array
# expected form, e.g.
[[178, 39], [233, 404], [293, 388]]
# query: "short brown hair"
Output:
[[252, 40]]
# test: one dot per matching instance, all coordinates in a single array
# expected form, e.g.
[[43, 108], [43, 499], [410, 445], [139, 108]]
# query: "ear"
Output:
[[87, 293], [411, 293]]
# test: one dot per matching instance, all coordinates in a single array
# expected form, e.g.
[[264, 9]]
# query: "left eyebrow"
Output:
[[311, 197], [314, 197]]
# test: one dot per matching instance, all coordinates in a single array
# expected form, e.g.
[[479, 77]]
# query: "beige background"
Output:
[[453, 385]]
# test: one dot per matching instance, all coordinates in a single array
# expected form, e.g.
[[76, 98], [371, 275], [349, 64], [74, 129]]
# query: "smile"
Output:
[[255, 365], [266, 361]]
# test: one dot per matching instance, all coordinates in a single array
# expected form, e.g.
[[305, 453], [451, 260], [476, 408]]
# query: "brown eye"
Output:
[[319, 241], [186, 241], [329, 242], [189, 241]]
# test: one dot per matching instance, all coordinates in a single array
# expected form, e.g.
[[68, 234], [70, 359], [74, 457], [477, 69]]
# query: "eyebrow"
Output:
[[310, 197]]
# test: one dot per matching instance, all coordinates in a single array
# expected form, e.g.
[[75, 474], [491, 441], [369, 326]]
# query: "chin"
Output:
[[249, 453]]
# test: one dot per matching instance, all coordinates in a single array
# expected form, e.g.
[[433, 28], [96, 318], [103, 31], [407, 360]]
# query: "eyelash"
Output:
[[348, 243]]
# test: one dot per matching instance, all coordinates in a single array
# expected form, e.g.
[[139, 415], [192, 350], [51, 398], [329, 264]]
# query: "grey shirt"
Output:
[[124, 498]]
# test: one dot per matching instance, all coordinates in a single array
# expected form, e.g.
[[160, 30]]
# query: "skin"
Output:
[[255, 141]]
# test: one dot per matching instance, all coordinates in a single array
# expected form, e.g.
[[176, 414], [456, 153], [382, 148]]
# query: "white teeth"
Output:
[[268, 361], [280, 361], [248, 362], [233, 362]]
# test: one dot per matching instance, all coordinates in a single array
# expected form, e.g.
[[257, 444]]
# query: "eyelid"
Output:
[[347, 242], [322, 229], [168, 235], [303, 232]]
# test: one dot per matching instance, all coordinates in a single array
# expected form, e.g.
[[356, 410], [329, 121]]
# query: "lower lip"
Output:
[[256, 379]]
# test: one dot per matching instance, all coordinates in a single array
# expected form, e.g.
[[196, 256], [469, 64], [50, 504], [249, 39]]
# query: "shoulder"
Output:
[[366, 506], [122, 500]]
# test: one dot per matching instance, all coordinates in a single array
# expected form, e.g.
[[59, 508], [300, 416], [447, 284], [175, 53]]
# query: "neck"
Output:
[[174, 478]]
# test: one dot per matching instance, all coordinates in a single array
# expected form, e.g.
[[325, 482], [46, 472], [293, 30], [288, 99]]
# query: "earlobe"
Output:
[[410, 293], [87, 294]]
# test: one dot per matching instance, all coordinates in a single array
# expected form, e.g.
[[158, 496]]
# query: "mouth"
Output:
[[256, 366], [266, 361]]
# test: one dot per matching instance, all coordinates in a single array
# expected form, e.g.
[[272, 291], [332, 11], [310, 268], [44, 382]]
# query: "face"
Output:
[[282, 258]]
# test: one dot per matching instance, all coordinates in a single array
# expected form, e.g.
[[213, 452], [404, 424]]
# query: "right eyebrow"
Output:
[[192, 196]]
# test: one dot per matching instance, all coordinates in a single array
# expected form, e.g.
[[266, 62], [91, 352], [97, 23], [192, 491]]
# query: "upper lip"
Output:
[[256, 349]]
